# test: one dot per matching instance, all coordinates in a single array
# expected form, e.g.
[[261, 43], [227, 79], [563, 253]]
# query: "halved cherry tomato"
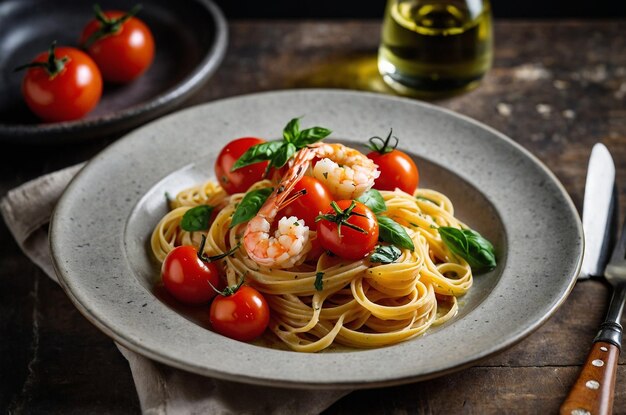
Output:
[[121, 45], [62, 84], [187, 277], [242, 315], [240, 180], [315, 201], [397, 170], [357, 235]]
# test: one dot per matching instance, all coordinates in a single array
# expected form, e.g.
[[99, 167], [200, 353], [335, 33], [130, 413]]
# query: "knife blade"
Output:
[[599, 210]]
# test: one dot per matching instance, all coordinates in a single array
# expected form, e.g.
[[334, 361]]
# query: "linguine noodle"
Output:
[[333, 300]]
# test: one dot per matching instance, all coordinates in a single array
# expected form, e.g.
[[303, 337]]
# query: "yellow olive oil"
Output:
[[435, 48]]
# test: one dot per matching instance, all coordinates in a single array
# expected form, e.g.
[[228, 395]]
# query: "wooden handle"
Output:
[[592, 394]]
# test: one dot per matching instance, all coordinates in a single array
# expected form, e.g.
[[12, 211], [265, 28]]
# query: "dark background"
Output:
[[348, 9]]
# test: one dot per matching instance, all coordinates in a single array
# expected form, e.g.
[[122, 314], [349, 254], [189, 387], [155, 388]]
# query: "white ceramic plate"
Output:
[[101, 227]]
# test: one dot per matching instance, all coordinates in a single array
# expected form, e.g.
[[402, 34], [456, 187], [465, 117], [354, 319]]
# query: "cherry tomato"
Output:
[[397, 170], [316, 200], [242, 315], [352, 243], [187, 278], [62, 84], [240, 180], [125, 48]]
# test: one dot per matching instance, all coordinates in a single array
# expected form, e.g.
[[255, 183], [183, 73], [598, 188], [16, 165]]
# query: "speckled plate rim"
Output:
[[103, 290], [136, 114]]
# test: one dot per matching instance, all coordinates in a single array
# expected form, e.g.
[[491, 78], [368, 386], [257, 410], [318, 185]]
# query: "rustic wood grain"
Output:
[[556, 88], [476, 391]]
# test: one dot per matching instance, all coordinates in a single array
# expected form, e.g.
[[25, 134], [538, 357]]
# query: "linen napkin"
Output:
[[161, 389]]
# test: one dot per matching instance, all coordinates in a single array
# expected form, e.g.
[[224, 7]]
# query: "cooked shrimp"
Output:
[[286, 248], [346, 173], [290, 242]]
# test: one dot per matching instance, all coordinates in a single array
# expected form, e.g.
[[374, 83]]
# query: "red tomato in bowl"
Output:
[[240, 180], [188, 278], [123, 54], [315, 201], [349, 243], [242, 315], [62, 89]]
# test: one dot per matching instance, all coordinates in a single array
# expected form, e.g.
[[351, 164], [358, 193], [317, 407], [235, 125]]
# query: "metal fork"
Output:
[[593, 391]]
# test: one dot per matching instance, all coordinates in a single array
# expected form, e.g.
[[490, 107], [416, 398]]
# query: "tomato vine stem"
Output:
[[52, 65], [381, 145], [108, 26], [204, 258], [340, 217]]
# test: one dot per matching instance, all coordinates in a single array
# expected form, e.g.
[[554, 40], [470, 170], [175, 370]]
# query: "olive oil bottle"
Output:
[[434, 48]]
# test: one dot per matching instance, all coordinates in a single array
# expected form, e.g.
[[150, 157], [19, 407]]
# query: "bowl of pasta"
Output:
[[373, 241]]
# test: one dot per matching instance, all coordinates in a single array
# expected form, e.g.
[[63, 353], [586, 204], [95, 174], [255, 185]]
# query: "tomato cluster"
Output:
[[351, 236], [65, 83], [240, 312]]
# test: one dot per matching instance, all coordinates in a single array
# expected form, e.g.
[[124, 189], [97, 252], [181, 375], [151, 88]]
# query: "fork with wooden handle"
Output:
[[592, 393]]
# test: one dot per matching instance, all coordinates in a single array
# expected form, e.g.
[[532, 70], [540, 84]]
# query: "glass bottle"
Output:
[[435, 48]]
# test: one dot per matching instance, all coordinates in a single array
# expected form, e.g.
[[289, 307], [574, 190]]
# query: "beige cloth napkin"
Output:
[[161, 389]]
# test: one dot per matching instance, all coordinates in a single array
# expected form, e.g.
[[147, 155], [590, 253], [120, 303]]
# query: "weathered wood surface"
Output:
[[556, 88]]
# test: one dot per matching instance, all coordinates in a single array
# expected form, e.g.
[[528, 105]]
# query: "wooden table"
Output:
[[556, 88]]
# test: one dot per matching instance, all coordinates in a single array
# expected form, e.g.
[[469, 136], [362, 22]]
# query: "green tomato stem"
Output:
[[381, 145], [52, 66], [108, 26]]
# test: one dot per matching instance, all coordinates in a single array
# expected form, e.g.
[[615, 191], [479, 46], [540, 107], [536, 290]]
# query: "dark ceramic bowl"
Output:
[[190, 37]]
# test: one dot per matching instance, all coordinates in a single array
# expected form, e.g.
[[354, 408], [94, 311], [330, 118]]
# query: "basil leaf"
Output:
[[250, 205], [283, 155], [385, 254], [197, 218], [391, 231], [469, 245], [257, 153], [373, 200], [292, 130], [278, 152], [311, 135]]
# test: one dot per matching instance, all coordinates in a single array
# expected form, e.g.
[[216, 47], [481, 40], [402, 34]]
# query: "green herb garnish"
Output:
[[391, 231], [197, 218], [319, 284], [279, 152], [373, 200], [250, 205], [469, 245], [385, 254]]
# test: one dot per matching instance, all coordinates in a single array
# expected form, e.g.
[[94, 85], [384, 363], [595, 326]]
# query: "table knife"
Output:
[[599, 211], [592, 394]]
